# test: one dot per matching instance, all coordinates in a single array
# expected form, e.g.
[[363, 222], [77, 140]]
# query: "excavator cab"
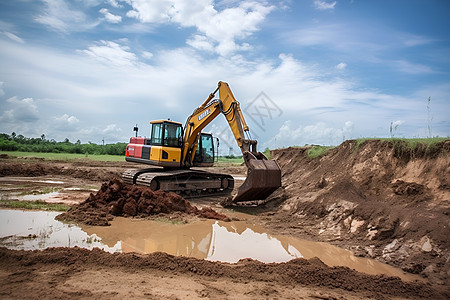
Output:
[[204, 155]]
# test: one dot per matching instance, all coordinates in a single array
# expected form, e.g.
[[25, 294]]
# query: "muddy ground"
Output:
[[374, 199]]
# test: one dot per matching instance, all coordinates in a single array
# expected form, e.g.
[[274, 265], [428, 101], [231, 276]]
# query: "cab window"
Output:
[[172, 134], [157, 130]]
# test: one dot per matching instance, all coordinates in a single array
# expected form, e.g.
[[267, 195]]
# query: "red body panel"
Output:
[[134, 148]]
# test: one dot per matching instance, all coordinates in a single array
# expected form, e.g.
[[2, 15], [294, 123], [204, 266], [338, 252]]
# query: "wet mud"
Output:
[[19, 267]]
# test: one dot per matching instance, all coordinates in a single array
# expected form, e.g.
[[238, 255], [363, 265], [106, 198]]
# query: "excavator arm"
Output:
[[263, 175]]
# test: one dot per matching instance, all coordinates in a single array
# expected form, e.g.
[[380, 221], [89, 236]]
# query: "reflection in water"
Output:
[[32, 230], [210, 240], [229, 246]]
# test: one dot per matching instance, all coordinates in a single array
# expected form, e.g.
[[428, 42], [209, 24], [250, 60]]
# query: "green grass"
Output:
[[412, 143], [65, 156], [46, 190], [34, 205], [229, 161], [317, 151], [400, 143]]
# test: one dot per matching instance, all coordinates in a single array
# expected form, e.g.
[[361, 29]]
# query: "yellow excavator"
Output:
[[177, 149]]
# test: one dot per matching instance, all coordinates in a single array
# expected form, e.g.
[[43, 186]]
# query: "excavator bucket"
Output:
[[263, 178]]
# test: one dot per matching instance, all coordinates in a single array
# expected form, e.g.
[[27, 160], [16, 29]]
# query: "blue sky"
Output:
[[305, 72]]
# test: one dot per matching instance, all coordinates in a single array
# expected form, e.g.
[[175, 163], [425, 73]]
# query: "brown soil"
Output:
[[377, 199], [117, 198], [380, 200], [84, 169], [64, 272]]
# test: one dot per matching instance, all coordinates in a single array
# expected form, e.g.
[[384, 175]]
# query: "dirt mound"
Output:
[[117, 198], [380, 199], [296, 273]]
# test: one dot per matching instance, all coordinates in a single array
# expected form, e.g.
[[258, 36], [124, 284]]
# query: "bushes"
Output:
[[21, 143]]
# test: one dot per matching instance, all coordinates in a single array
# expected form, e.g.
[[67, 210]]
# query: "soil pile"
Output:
[[31, 266], [383, 200], [117, 198]]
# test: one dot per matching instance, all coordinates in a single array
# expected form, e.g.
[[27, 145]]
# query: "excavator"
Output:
[[177, 149]]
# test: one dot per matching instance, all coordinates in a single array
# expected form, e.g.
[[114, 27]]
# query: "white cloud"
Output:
[[21, 110], [411, 68], [64, 124], [114, 3], [174, 82], [216, 29], [323, 5], [14, 37], [60, 16], [111, 128], [1, 88], [66, 119], [146, 54], [415, 40], [112, 53], [341, 66], [318, 133], [201, 42], [110, 17]]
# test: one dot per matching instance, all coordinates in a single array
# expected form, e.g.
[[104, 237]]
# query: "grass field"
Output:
[[71, 156], [64, 156]]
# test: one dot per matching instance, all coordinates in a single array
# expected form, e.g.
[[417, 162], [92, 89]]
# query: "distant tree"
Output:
[[43, 137], [13, 135], [66, 140]]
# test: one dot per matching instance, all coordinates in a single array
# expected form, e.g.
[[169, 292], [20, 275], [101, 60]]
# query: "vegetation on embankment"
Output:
[[412, 143], [402, 146]]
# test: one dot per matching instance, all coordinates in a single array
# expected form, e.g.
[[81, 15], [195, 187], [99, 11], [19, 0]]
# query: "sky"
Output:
[[304, 72]]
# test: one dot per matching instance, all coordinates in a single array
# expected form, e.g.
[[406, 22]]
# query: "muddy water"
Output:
[[32, 230], [210, 240]]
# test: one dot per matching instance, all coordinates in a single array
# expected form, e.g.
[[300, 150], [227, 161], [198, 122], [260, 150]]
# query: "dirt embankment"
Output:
[[116, 198], [380, 200], [60, 272], [90, 170]]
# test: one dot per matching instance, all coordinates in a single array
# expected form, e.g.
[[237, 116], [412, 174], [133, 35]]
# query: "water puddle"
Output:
[[45, 196], [51, 181], [33, 230], [210, 240]]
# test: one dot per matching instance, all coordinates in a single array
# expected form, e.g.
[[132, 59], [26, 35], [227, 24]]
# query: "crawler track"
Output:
[[189, 183]]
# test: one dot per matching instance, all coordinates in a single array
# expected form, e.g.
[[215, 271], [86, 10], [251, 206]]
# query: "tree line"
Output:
[[14, 142]]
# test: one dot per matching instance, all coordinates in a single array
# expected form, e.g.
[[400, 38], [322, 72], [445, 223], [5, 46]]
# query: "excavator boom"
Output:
[[263, 175]]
